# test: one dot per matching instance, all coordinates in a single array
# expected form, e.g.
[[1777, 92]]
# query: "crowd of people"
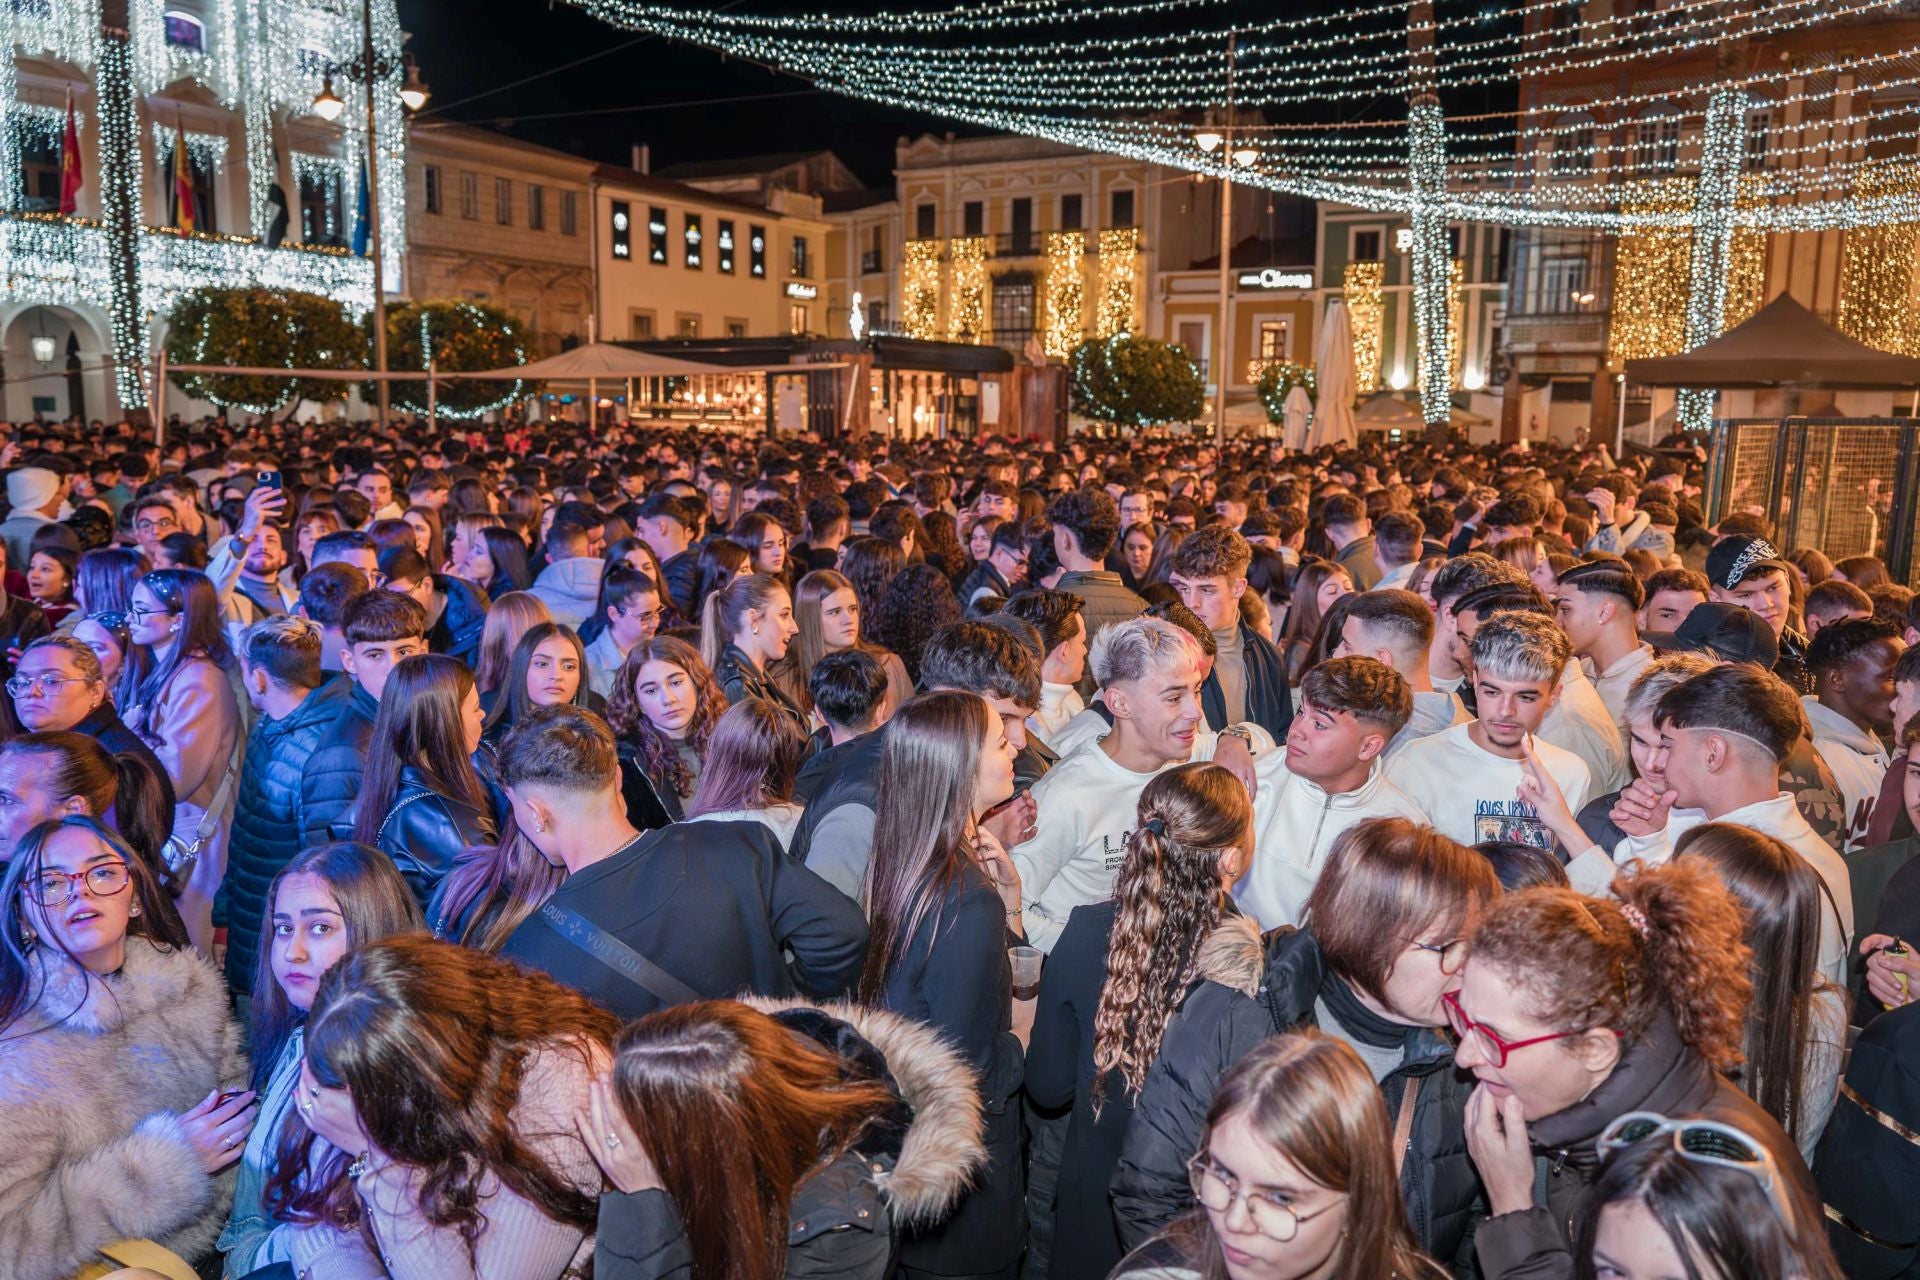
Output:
[[515, 854]]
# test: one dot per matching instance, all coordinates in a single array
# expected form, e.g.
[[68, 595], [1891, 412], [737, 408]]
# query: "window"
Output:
[[1366, 246], [1070, 214], [725, 238], [1455, 236], [1022, 217], [657, 235], [696, 242], [973, 218], [797, 318], [39, 171], [1563, 282], [569, 213], [757, 252], [205, 207], [1120, 207], [876, 317], [1013, 311], [1656, 145], [309, 61], [622, 224], [1759, 125], [322, 208], [1502, 254], [925, 222], [184, 31], [639, 325], [1572, 153], [469, 195], [1273, 340], [536, 207], [872, 258], [503, 201], [687, 326], [431, 174], [736, 328], [802, 266]]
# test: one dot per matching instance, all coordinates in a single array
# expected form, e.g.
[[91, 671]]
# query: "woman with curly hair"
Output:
[[663, 711], [919, 601], [439, 1089], [1118, 971], [1574, 1011]]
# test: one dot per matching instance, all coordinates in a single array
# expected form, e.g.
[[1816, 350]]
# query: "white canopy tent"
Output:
[[1333, 420]]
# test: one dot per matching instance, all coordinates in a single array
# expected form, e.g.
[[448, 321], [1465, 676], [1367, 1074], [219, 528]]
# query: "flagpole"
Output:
[[373, 218]]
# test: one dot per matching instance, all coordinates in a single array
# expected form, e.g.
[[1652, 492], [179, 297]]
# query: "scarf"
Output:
[[1358, 1021]]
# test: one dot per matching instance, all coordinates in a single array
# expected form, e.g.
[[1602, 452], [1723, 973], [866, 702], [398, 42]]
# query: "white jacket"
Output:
[[1858, 761], [1433, 712], [1295, 823], [1579, 722]]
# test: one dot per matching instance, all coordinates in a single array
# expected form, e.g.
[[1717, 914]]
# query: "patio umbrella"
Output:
[[1333, 420], [1296, 412]]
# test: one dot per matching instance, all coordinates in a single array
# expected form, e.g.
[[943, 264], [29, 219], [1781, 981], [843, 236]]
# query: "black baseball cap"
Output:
[[1735, 559], [1725, 631]]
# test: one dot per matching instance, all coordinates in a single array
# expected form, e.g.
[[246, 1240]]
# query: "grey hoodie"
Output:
[[570, 588]]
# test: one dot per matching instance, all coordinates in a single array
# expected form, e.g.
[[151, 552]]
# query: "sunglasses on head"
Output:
[[1701, 1141]]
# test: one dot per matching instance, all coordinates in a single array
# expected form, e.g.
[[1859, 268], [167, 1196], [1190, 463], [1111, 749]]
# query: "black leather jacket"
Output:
[[425, 831], [740, 679]]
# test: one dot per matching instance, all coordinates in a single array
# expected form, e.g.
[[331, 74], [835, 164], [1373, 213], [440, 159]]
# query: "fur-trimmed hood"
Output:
[[945, 1145]]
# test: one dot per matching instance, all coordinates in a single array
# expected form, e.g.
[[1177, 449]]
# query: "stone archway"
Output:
[[47, 353]]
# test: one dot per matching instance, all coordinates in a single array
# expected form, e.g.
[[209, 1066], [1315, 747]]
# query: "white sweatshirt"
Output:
[[1470, 794], [1432, 712], [1059, 703], [1858, 761], [1616, 682], [1295, 823]]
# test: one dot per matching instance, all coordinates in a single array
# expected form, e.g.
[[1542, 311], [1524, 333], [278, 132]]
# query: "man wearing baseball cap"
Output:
[[1747, 571]]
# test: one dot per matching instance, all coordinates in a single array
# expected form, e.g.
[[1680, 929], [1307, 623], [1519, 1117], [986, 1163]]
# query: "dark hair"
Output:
[[375, 903], [719, 565], [1188, 621], [562, 747], [1502, 597], [1463, 573], [202, 635], [329, 545], [1839, 644], [21, 976], [1863, 571], [741, 1110], [286, 648], [1740, 699], [1523, 866], [326, 591], [618, 585], [847, 687], [419, 724], [1055, 614], [1342, 509], [918, 603], [983, 659], [1365, 688], [1604, 578], [1833, 597], [1402, 614], [404, 564], [1214, 551], [1091, 516], [508, 551], [751, 761], [383, 617], [105, 578], [1398, 536], [434, 1042], [1720, 1219], [512, 703], [125, 791], [659, 755]]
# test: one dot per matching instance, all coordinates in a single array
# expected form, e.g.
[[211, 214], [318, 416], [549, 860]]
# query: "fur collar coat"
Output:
[[93, 1080]]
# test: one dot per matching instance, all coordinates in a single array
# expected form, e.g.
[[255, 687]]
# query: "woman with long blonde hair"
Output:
[[1113, 979]]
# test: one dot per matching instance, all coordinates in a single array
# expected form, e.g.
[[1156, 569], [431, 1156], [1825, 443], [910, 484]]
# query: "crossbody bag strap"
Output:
[[616, 955], [1403, 1123]]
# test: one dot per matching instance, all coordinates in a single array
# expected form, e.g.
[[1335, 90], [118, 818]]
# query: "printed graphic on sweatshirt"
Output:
[[1514, 821], [1113, 851]]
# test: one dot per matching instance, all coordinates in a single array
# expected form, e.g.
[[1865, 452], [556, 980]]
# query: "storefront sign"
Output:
[[804, 292], [1274, 278]]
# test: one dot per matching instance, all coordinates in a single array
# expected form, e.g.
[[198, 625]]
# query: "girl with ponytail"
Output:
[[1574, 1011], [56, 775], [743, 630], [1114, 978]]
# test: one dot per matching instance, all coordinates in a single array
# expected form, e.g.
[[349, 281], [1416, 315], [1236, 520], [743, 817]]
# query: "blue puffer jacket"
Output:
[[457, 633], [268, 824]]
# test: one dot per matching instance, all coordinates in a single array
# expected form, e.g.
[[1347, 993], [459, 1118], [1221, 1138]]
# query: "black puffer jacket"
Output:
[[457, 634], [1869, 1162], [682, 574], [332, 780], [425, 831], [1256, 988], [269, 827]]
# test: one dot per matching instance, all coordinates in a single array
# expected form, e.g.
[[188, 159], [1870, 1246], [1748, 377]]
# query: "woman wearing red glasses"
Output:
[[1574, 1011]]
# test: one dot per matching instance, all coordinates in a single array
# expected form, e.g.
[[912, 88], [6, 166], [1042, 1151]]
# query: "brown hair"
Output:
[[1582, 965], [1365, 688], [737, 1111], [1170, 897], [1311, 1098], [751, 761], [657, 752], [1387, 880], [1214, 551], [434, 1042], [511, 615]]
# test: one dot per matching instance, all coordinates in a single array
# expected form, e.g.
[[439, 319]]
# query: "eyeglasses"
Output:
[[1217, 1189], [136, 613], [1702, 1141], [1452, 954], [55, 888], [647, 619], [156, 526], [20, 685], [1488, 1043]]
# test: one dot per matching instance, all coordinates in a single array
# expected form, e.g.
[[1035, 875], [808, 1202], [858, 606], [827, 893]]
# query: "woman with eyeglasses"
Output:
[[1293, 1177], [1573, 1011], [60, 684], [122, 1084], [175, 694], [1695, 1198], [1381, 941], [663, 711]]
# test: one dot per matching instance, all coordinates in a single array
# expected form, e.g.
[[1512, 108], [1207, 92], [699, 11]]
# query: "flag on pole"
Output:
[[362, 215], [181, 188], [276, 206], [71, 173]]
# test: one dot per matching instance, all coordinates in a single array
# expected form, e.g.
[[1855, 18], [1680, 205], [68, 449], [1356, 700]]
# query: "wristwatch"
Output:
[[1239, 731]]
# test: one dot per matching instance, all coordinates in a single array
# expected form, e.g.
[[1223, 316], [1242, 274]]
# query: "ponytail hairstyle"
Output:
[[725, 612], [1781, 901], [1669, 941], [123, 790], [1171, 893], [419, 724], [374, 903]]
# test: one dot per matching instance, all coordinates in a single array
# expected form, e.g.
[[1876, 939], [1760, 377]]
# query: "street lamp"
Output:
[[369, 69], [1209, 141]]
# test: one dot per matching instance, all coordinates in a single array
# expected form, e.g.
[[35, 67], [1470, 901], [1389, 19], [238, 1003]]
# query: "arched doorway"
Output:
[[53, 365]]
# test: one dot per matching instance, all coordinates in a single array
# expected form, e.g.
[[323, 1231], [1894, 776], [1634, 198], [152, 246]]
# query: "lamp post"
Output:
[[370, 68], [1220, 141]]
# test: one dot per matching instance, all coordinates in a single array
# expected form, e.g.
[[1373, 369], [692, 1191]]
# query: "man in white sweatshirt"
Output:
[[1086, 805], [1395, 627], [1467, 778], [1469, 571], [1597, 604], [1723, 735], [1852, 665], [1330, 776]]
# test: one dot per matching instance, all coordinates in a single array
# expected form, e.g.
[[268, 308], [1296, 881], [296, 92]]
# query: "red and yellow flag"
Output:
[[182, 181], [71, 173]]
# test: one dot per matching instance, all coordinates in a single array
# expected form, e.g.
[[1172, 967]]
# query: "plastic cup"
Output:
[[1026, 971]]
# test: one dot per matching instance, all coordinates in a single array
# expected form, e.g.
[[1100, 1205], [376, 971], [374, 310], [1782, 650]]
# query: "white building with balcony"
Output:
[[84, 296]]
